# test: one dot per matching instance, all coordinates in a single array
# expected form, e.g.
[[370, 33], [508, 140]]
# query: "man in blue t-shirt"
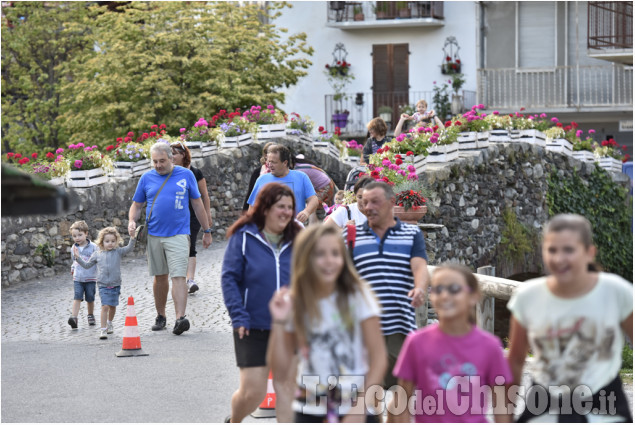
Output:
[[167, 189], [306, 201]]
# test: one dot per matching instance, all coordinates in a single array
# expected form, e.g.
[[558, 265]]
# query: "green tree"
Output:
[[36, 40], [172, 62]]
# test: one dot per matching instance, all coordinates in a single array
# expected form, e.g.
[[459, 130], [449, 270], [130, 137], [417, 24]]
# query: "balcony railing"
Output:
[[350, 11], [566, 87], [360, 113], [610, 25]]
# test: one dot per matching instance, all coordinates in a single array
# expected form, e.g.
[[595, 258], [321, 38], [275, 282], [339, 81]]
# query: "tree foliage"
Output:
[[36, 41], [608, 207], [146, 63]]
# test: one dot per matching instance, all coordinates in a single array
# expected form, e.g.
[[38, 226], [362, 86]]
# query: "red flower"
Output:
[[398, 156], [627, 158], [448, 123], [10, 155], [127, 139], [119, 140], [222, 112], [386, 179], [380, 150], [109, 148], [448, 59], [130, 134], [605, 143], [152, 127], [398, 161], [50, 155], [163, 126], [435, 128], [34, 155], [153, 134], [18, 155], [374, 174], [522, 109], [337, 131], [327, 66], [401, 204], [162, 132], [458, 61], [574, 124], [457, 123], [410, 153], [23, 161], [145, 136], [567, 128], [559, 124]]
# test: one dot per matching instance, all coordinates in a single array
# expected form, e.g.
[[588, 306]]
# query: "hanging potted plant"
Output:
[[402, 9], [381, 10], [385, 113], [339, 75]]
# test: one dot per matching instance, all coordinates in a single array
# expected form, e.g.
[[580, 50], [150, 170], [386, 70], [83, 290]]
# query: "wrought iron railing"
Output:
[[560, 87], [610, 25], [361, 109], [345, 11]]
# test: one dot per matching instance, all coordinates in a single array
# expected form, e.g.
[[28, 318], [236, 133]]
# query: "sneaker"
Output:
[[193, 286], [181, 325], [228, 419], [159, 323], [73, 322], [111, 328], [91, 320], [103, 334]]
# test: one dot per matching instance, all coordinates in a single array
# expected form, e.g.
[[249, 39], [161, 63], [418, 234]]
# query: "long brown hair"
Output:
[[304, 281], [470, 279], [268, 195], [187, 155]]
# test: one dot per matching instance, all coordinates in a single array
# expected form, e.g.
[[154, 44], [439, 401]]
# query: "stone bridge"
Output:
[[469, 197]]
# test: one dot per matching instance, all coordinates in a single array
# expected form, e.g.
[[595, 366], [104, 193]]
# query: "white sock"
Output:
[[103, 329], [109, 322]]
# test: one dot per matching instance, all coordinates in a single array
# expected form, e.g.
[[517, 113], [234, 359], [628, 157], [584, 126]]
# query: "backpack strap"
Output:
[[348, 211], [351, 233]]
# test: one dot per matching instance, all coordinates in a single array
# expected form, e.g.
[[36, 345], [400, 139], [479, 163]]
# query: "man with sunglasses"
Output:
[[391, 256], [167, 189]]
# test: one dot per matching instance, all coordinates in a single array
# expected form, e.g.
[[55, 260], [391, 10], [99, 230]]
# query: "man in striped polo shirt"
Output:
[[391, 257]]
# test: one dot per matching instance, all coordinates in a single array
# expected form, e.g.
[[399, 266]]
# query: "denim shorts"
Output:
[[82, 288], [109, 296]]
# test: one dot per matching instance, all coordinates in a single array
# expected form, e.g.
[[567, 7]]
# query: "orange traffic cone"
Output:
[[131, 339], [267, 408]]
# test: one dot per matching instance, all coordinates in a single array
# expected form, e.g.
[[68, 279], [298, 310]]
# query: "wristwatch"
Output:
[[208, 230]]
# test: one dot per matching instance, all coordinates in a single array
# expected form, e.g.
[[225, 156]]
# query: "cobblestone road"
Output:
[[38, 310]]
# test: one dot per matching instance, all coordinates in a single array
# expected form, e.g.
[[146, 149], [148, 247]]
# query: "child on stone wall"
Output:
[[108, 261], [339, 200], [421, 118], [83, 279]]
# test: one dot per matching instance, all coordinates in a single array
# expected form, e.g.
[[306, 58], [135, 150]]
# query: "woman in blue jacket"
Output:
[[257, 263]]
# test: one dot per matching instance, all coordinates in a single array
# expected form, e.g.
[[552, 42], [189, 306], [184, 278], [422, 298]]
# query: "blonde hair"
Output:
[[422, 102], [305, 281], [108, 231], [265, 151], [80, 226]]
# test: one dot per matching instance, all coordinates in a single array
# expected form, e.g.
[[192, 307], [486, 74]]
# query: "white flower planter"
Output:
[[270, 131], [195, 148], [209, 149], [306, 140], [499, 136], [419, 161], [559, 145], [610, 164], [86, 178], [514, 134], [237, 141], [353, 161], [443, 153], [57, 181], [584, 156], [131, 169], [471, 140], [533, 136], [327, 147]]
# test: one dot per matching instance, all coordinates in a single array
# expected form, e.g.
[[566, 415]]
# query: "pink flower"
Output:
[[495, 113], [578, 133], [591, 131], [543, 115], [393, 167], [78, 163], [80, 145], [401, 137], [402, 172], [480, 106], [183, 130], [554, 119], [413, 176], [411, 168], [59, 150], [386, 162], [72, 146], [269, 106]]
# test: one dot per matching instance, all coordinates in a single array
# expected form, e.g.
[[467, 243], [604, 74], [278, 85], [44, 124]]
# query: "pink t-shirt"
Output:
[[452, 373]]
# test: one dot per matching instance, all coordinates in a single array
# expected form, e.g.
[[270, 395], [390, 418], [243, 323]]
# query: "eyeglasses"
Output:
[[452, 288]]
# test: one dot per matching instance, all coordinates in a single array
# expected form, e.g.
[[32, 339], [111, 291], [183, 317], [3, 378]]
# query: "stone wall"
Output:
[[227, 174]]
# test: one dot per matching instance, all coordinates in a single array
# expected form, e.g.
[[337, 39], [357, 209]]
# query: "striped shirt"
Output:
[[385, 265]]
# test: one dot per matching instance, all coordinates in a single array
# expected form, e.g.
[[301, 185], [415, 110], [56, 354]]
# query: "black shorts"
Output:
[[195, 227], [251, 351]]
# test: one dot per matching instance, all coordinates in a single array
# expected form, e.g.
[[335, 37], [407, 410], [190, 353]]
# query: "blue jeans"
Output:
[[82, 288], [109, 296]]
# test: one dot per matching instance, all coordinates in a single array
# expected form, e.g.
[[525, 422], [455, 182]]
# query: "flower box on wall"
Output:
[[306, 140], [419, 161], [209, 149], [86, 178], [270, 131], [57, 181], [131, 169], [559, 145], [236, 141], [499, 136], [470, 140], [514, 134], [353, 161], [443, 153], [327, 147], [533, 136], [584, 156], [610, 164]]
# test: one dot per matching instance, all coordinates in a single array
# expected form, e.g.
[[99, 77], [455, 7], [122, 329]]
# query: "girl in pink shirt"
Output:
[[453, 367]]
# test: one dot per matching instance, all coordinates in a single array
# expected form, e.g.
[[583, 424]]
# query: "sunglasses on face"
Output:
[[452, 288]]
